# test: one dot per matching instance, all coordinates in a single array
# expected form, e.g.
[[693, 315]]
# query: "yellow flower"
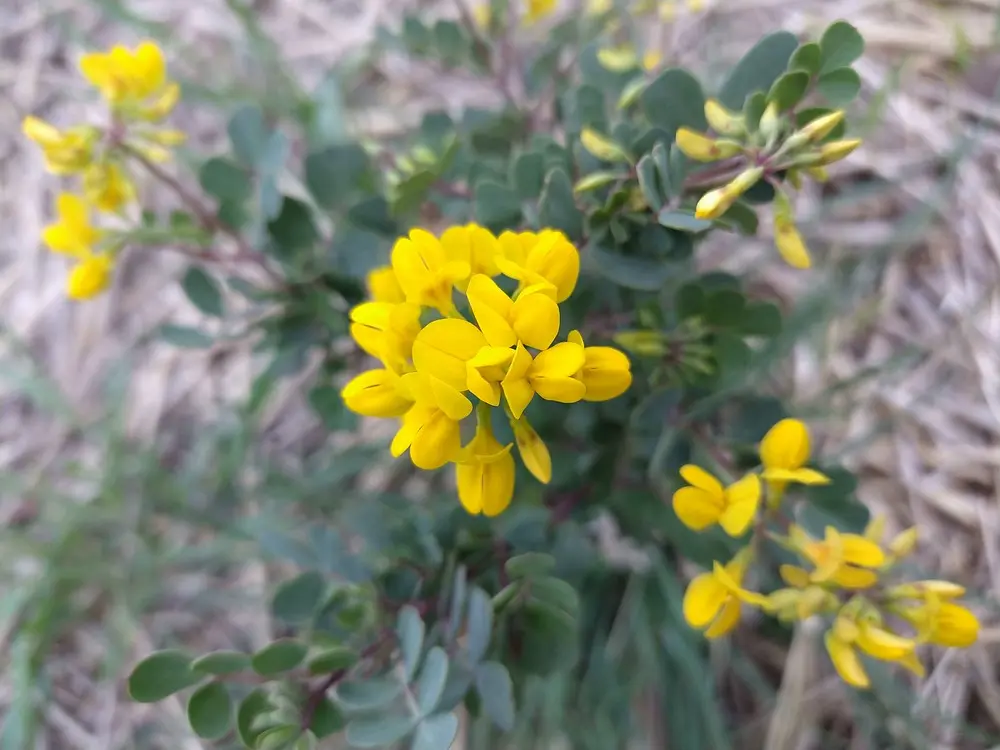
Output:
[[444, 349], [484, 471], [712, 600], [847, 560], [784, 452], [606, 372], [107, 187], [715, 203], [89, 277], [789, 242], [539, 9], [936, 618], [482, 14], [376, 393], [548, 257], [705, 501], [65, 152], [550, 375], [425, 272], [700, 147], [72, 234], [430, 429], [386, 331], [847, 634], [128, 76], [532, 318], [802, 600], [473, 245], [486, 371], [651, 59], [383, 285], [532, 449]]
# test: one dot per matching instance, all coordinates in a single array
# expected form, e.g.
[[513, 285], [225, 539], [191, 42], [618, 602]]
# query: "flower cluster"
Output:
[[773, 148], [843, 576], [135, 87], [432, 372]]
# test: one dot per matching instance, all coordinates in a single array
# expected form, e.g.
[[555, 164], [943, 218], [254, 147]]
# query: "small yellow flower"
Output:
[[651, 60], [700, 147], [486, 371], [107, 187], [847, 560], [90, 277], [784, 452], [474, 245], [551, 375], [386, 331], [538, 9], [532, 449], [376, 393], [430, 429], [125, 76], [424, 271], [65, 151], [606, 372], [712, 600], [715, 203], [532, 318], [383, 285], [936, 618], [484, 471], [444, 348], [617, 59], [544, 258], [705, 501], [847, 634], [72, 234]]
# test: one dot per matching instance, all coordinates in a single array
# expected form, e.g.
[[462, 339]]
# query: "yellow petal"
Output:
[[162, 105], [845, 661], [89, 277], [606, 373], [62, 239], [849, 577], [534, 453], [912, 662], [857, 550], [493, 310], [498, 485], [955, 626], [700, 147], [556, 260], [703, 599], [535, 320], [411, 268], [801, 476], [561, 361], [882, 644], [790, 244], [410, 425], [374, 394], [726, 620], [698, 477], [443, 348], [697, 508], [729, 576], [785, 446], [514, 247], [150, 68], [40, 131], [794, 576], [383, 285], [742, 500], [904, 542], [436, 442], [426, 389], [516, 387]]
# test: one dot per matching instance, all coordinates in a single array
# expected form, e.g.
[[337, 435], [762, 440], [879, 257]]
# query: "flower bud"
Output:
[[789, 242], [700, 147], [643, 343], [904, 542], [821, 127], [836, 150], [603, 148], [818, 173], [722, 120], [769, 122], [716, 202]]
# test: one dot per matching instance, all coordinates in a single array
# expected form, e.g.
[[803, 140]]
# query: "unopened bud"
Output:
[[794, 177], [821, 127], [643, 343], [423, 155], [405, 164], [618, 59], [904, 542], [769, 122], [700, 147], [602, 147], [836, 150], [721, 120], [818, 173], [716, 202], [789, 242], [651, 59], [875, 529]]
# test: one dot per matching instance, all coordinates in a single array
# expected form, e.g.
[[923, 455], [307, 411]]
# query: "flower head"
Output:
[[107, 187], [134, 80], [544, 258], [551, 375], [713, 600], [784, 452], [90, 276], [606, 372], [65, 151], [849, 561], [850, 633], [72, 234], [430, 429], [704, 501], [930, 608]]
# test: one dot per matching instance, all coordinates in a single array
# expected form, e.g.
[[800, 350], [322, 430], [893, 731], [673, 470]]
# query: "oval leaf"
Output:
[[278, 657], [789, 89], [330, 660], [210, 711], [435, 732], [642, 274], [675, 99], [807, 57], [529, 564], [496, 691], [378, 731], [839, 87], [557, 593], [758, 69], [221, 662], [184, 337], [432, 677], [160, 675], [410, 634], [365, 695], [841, 45], [327, 719], [682, 221], [479, 625], [248, 134], [296, 600], [255, 704]]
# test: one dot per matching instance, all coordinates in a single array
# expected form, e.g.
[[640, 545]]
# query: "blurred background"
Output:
[[131, 470]]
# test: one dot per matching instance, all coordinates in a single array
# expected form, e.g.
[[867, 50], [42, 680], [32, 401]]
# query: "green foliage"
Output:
[[160, 675]]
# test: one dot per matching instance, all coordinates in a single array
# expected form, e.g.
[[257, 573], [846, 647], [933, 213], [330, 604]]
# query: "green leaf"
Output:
[[732, 356], [411, 193], [435, 732], [529, 565], [296, 600], [450, 42], [741, 218], [527, 175], [328, 404], [225, 180], [410, 635], [496, 206], [184, 337], [457, 603], [642, 274], [549, 639], [336, 173], [649, 182], [332, 660], [221, 662], [754, 107], [430, 682], [203, 292], [479, 625], [255, 704], [841, 45], [366, 695], [326, 122], [761, 319], [809, 114], [753, 417], [279, 656], [378, 731], [293, 230], [758, 69], [789, 89], [682, 221], [833, 504], [675, 99], [210, 711], [496, 691], [807, 57], [839, 87], [557, 206], [327, 719], [278, 738], [557, 593], [724, 308], [160, 675], [248, 134], [690, 301], [596, 180]]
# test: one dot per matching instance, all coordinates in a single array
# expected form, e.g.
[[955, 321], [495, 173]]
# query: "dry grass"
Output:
[[922, 312]]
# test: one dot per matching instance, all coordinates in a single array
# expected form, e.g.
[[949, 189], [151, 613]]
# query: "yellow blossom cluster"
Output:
[[842, 576], [134, 85], [433, 371]]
